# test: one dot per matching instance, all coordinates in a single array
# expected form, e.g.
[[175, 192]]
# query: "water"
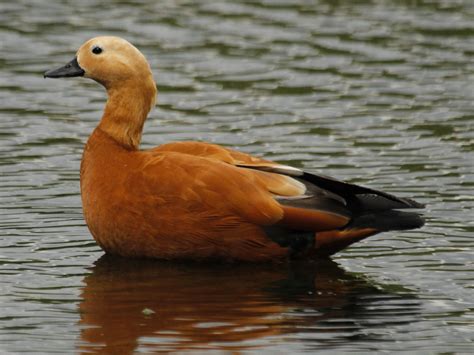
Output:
[[374, 92]]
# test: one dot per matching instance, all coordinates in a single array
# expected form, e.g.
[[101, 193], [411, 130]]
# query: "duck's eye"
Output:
[[96, 50]]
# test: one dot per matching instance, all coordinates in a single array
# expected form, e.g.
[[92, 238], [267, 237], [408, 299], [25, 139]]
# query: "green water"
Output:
[[373, 92]]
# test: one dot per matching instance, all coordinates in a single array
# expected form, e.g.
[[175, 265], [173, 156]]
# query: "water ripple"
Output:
[[375, 93]]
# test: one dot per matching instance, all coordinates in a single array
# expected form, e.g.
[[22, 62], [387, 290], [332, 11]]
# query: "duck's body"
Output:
[[167, 204], [193, 200]]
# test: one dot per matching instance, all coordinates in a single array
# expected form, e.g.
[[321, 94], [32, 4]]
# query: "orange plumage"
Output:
[[193, 200]]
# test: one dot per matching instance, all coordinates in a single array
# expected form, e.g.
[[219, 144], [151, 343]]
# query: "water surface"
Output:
[[373, 92]]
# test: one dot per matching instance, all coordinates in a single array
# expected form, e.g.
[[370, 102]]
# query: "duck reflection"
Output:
[[150, 305]]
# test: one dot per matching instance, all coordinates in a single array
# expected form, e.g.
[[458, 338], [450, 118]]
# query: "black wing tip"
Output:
[[410, 203], [349, 191]]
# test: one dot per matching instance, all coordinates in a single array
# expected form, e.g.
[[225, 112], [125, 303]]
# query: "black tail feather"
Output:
[[387, 221]]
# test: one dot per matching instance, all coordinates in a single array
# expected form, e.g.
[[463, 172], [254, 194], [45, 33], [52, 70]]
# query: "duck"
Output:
[[199, 201]]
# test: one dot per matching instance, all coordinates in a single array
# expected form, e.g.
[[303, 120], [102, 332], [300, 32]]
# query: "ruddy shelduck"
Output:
[[201, 201]]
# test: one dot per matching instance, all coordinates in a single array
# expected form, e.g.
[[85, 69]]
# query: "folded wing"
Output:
[[289, 202]]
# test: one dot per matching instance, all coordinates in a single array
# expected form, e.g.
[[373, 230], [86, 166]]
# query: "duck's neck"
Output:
[[127, 107]]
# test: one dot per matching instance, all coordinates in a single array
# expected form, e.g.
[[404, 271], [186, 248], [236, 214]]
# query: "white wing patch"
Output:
[[274, 168]]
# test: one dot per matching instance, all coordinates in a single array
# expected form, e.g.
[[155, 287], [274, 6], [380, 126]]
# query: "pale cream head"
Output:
[[111, 60], [126, 74]]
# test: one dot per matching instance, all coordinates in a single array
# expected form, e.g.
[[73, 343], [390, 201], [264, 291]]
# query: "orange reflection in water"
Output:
[[160, 306]]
